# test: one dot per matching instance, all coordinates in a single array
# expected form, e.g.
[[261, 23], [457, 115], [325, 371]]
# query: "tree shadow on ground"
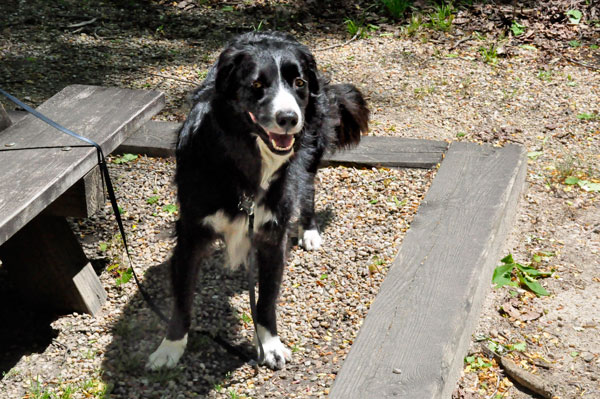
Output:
[[45, 48], [205, 363], [24, 329]]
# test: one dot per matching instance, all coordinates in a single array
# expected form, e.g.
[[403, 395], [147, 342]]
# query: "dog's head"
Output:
[[269, 77]]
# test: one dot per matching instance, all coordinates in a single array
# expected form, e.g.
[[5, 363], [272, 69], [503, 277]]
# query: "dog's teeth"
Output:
[[281, 148]]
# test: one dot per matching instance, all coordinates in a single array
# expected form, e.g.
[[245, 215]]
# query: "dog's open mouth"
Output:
[[281, 142]]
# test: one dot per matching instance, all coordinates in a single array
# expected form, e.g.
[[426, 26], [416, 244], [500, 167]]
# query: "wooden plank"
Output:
[[398, 152], [83, 199], [5, 120], [415, 336], [32, 179], [53, 272], [154, 139], [159, 139]]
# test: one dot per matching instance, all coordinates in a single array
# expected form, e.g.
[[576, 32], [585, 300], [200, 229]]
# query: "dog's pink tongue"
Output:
[[282, 140]]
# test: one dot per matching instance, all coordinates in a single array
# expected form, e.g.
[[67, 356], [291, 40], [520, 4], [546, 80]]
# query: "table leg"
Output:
[[50, 269]]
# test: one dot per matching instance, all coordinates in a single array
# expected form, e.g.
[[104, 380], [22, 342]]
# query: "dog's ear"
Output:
[[228, 62]]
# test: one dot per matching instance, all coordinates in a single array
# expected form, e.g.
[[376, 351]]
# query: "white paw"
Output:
[[167, 355], [276, 354], [311, 240]]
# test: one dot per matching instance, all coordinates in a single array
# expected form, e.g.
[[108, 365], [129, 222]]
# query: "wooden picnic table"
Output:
[[39, 187]]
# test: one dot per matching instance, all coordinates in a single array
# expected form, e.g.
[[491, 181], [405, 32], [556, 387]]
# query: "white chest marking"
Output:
[[270, 163]]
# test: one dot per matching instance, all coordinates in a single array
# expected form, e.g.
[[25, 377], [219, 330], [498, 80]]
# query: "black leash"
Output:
[[109, 189], [246, 205]]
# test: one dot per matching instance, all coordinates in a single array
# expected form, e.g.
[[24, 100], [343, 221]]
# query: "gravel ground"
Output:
[[431, 85], [325, 295]]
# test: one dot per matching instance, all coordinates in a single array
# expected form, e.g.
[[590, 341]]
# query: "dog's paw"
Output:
[[311, 240], [276, 354], [167, 355]]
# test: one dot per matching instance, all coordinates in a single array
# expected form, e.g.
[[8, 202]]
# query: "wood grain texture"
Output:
[[415, 336], [32, 179], [388, 152]]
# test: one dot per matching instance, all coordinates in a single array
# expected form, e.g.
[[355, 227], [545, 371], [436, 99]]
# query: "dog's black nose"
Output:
[[286, 119]]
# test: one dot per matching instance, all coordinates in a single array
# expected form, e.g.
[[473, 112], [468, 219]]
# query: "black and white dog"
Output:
[[260, 124]]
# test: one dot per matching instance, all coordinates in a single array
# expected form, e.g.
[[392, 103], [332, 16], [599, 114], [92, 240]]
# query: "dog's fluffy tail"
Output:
[[353, 114]]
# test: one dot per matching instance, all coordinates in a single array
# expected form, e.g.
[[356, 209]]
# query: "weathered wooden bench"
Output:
[[39, 187]]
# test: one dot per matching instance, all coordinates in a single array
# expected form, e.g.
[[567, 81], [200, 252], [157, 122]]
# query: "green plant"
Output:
[[421, 92], [574, 43], [125, 158], [245, 318], [515, 275], [414, 24], [502, 349], [585, 185], [170, 208], [123, 275], [566, 167], [574, 16], [476, 363], [358, 28], [489, 54], [396, 8], [588, 117], [517, 29], [441, 18], [544, 75], [152, 200], [202, 74], [259, 27]]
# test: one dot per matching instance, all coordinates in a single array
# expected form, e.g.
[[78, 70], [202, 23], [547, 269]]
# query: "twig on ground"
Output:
[[339, 44], [497, 385], [459, 42], [523, 377], [583, 64], [81, 24]]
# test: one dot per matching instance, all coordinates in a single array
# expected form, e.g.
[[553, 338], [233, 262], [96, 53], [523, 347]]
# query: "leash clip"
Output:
[[246, 204]]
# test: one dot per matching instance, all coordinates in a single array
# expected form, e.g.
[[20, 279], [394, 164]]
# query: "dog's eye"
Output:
[[257, 85], [298, 82]]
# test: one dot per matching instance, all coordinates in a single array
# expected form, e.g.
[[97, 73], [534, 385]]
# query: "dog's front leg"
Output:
[[184, 271], [270, 258]]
